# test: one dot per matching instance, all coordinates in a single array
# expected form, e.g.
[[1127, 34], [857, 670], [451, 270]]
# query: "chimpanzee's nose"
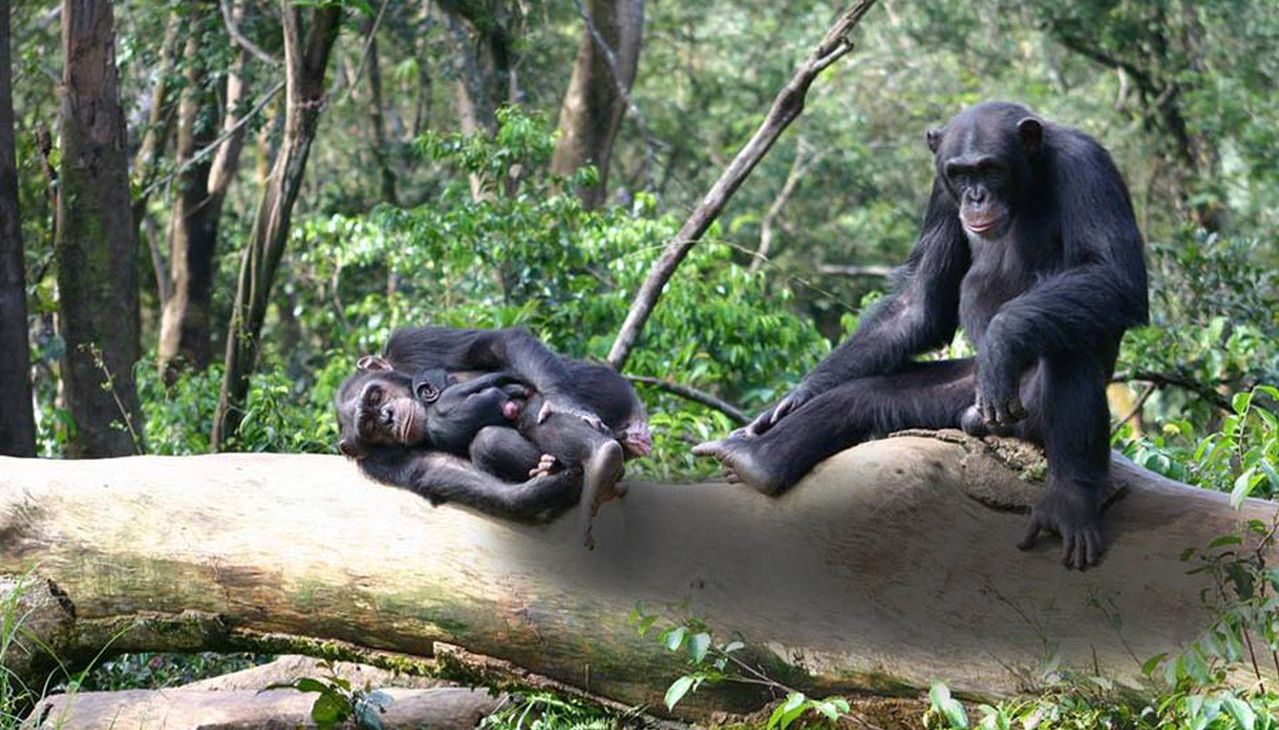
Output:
[[977, 195], [388, 416]]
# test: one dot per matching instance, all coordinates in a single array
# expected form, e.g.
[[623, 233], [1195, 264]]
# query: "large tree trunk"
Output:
[[893, 565], [193, 232], [96, 241], [17, 420], [594, 104], [305, 58]]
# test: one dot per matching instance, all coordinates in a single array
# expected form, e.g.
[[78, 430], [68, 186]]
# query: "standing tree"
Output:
[[96, 241], [184, 322], [306, 57], [17, 422], [596, 98]]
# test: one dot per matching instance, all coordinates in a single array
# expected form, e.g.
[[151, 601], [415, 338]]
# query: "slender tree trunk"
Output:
[[380, 156], [594, 103], [17, 420], [193, 233], [96, 244], [306, 58]]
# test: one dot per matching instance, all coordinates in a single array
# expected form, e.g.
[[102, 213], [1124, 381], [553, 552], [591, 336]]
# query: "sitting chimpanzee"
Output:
[[386, 424], [1030, 244]]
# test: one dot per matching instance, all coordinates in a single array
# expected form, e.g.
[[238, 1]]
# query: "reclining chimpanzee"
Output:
[[386, 424], [1030, 244]]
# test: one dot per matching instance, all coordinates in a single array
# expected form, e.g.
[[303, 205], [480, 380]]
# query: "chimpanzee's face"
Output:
[[376, 407], [984, 164]]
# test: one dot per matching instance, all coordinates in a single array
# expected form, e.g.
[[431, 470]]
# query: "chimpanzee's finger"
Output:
[[1029, 539], [1016, 409], [1092, 540]]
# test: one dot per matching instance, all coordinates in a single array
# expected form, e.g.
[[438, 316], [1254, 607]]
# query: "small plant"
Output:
[[714, 662], [337, 702], [547, 711]]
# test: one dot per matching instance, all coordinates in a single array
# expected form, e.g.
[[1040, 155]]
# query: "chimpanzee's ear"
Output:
[[349, 450], [372, 362], [1031, 133], [933, 136]]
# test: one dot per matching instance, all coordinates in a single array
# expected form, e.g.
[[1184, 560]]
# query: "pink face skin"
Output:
[[390, 415], [636, 439]]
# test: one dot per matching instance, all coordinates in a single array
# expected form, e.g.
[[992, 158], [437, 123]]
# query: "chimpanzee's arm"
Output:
[[513, 350], [1101, 292], [442, 478], [921, 314]]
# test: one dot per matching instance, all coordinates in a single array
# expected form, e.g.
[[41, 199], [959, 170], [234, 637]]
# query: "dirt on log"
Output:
[[891, 566]]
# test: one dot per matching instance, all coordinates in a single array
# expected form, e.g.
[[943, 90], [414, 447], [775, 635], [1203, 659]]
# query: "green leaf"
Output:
[[674, 638], [1243, 487], [1240, 711], [698, 645], [329, 709], [677, 690], [1151, 664], [786, 712], [1225, 540], [1239, 404], [308, 684]]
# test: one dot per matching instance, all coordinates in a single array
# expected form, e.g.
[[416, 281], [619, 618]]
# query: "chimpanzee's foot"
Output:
[[547, 465], [741, 466], [599, 485]]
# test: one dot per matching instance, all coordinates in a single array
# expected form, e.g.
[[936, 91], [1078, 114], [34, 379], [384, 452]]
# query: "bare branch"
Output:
[[850, 270], [805, 158], [785, 109], [697, 396], [233, 30], [1164, 380]]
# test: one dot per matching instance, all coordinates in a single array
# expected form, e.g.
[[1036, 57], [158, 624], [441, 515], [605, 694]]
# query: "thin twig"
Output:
[[1163, 380], [364, 55], [697, 396], [873, 271], [209, 149], [234, 31], [1136, 408]]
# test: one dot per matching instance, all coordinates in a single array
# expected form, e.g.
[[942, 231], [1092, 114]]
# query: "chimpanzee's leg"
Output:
[[575, 442], [504, 452], [443, 478], [1072, 420], [921, 395]]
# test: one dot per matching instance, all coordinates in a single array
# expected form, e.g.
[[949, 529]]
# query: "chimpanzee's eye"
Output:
[[374, 396]]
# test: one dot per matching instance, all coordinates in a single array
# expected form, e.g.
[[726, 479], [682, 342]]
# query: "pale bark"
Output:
[[306, 58], [595, 102], [17, 420], [893, 565], [193, 231], [785, 109], [96, 241]]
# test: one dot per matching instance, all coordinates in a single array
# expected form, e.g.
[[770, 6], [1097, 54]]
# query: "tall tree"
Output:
[[306, 58], [96, 242], [184, 321], [17, 421], [596, 98]]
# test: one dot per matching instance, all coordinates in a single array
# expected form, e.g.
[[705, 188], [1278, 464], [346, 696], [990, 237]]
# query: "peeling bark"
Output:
[[891, 566]]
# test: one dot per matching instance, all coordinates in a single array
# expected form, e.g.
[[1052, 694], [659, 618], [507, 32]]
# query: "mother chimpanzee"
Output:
[[1030, 244]]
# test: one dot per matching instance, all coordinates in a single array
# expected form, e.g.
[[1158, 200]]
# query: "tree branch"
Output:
[[785, 109], [233, 30], [1164, 380], [697, 396], [850, 270]]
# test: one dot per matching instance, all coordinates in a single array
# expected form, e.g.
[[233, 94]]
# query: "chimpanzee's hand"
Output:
[[1075, 514], [998, 401], [769, 418], [569, 407]]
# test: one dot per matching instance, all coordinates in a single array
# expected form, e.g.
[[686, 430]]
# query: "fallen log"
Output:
[[891, 566]]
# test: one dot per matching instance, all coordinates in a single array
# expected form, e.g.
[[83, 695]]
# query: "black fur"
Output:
[[1045, 298]]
